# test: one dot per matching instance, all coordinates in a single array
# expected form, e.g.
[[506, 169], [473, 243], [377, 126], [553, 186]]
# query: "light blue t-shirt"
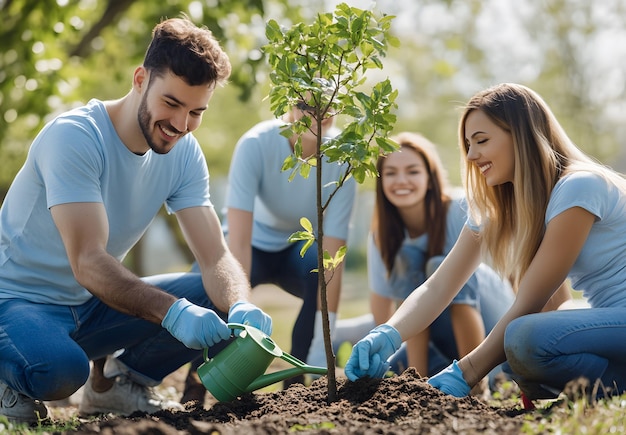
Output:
[[256, 183], [600, 269], [78, 157], [409, 265]]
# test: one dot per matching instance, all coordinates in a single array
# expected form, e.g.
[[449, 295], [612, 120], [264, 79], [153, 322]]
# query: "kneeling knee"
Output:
[[519, 342], [60, 380]]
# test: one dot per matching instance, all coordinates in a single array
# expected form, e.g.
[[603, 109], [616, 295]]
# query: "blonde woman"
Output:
[[543, 211], [415, 224]]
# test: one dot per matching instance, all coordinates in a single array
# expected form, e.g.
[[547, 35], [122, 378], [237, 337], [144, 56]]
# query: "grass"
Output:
[[22, 429], [605, 416]]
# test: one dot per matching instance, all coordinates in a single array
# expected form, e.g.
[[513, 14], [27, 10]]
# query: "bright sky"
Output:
[[512, 53]]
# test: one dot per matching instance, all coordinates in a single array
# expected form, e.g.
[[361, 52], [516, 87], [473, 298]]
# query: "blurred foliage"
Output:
[[570, 51], [55, 54], [58, 54]]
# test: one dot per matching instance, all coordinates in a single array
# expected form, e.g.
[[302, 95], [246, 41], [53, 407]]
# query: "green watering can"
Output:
[[240, 367]]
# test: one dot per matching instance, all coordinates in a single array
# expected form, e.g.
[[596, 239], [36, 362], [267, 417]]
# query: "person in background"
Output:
[[415, 223], [94, 179], [264, 208], [543, 211]]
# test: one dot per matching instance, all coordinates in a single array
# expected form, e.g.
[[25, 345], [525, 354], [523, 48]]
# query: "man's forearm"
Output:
[[226, 282], [107, 279]]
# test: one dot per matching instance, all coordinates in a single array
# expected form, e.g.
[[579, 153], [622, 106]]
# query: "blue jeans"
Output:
[[46, 348], [292, 273], [546, 350]]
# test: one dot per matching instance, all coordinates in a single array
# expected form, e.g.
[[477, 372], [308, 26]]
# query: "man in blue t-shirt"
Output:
[[264, 207], [94, 179]]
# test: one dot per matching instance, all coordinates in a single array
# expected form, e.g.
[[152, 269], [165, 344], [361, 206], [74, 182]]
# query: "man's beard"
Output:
[[145, 120]]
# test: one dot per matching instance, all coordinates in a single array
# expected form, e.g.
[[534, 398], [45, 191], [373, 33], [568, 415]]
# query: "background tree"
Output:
[[324, 64], [54, 55], [58, 54]]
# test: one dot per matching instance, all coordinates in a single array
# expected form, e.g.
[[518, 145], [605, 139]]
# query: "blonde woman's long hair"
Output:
[[511, 215]]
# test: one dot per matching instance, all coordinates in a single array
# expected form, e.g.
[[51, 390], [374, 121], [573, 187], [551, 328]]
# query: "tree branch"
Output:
[[113, 10]]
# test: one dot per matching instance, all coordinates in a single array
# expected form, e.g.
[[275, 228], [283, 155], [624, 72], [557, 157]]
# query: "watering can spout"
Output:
[[299, 369], [240, 367]]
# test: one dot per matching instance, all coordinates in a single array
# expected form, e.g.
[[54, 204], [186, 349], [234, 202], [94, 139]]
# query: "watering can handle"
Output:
[[303, 366], [205, 353], [236, 326], [293, 360]]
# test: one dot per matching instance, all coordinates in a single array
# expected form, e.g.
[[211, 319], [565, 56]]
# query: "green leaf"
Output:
[[272, 30], [341, 253], [306, 247], [298, 236], [331, 263], [306, 224], [305, 170], [359, 175]]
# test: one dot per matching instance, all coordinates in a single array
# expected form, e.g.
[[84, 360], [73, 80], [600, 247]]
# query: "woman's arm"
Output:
[[333, 277], [381, 307], [564, 238], [561, 295], [429, 300]]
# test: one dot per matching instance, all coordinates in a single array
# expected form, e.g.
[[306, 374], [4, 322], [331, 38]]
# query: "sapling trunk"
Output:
[[321, 271], [323, 65]]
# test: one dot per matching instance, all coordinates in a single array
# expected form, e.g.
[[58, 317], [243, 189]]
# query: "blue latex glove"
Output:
[[195, 326], [245, 313], [450, 380], [369, 356]]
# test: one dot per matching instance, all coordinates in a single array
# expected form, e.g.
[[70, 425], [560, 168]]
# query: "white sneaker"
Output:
[[18, 408], [123, 398]]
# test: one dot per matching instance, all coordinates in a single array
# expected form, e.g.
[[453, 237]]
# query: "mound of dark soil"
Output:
[[403, 404]]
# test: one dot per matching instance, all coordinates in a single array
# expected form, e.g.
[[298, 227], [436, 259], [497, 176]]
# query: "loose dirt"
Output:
[[402, 404]]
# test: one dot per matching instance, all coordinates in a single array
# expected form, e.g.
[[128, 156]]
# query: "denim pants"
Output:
[[546, 350], [45, 349], [292, 273]]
